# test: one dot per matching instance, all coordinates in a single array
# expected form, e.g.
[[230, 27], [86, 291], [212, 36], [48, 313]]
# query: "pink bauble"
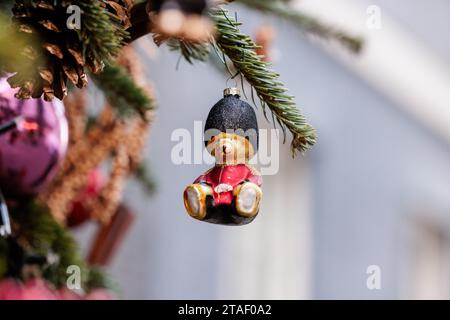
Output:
[[99, 294], [39, 289], [10, 289], [36, 289], [79, 211], [31, 153], [66, 294]]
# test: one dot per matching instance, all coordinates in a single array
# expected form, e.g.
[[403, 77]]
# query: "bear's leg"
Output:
[[248, 195], [195, 199]]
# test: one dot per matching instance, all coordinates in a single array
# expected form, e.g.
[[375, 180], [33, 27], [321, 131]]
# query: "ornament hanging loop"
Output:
[[228, 80]]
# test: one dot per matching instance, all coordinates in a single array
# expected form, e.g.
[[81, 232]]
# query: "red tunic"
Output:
[[228, 176]]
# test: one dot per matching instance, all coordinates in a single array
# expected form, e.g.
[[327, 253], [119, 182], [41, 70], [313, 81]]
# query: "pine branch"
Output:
[[66, 53], [122, 92], [98, 279], [145, 179], [101, 32], [41, 233], [305, 22], [37, 233], [240, 49], [191, 51]]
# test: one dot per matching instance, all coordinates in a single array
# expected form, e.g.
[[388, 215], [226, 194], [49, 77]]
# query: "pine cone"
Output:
[[121, 9], [65, 54]]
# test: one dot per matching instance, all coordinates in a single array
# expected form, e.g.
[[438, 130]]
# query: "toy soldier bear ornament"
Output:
[[229, 193]]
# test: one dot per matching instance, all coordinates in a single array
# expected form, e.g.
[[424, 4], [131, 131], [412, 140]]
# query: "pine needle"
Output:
[[122, 92], [305, 22], [240, 49]]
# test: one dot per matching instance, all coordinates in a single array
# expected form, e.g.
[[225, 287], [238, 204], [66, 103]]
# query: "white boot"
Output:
[[195, 199], [248, 195]]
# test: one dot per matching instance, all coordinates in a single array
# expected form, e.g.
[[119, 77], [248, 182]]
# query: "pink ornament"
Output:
[[79, 211], [36, 289], [31, 152], [39, 289], [10, 289], [66, 294], [99, 294]]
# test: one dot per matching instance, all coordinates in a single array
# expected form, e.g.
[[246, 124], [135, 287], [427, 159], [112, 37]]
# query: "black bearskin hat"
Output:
[[232, 115]]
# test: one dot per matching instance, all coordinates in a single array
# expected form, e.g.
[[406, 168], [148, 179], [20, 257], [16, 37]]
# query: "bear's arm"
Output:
[[204, 178], [254, 176]]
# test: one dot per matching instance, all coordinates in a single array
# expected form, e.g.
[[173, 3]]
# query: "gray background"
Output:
[[373, 174]]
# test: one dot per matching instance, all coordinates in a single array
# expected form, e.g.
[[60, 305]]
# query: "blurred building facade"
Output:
[[375, 190]]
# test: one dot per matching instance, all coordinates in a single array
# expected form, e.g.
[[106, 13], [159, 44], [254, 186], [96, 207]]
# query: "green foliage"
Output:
[[145, 179], [98, 40], [98, 279], [190, 51], [122, 92], [101, 33], [281, 8], [38, 234], [240, 49], [305, 22], [42, 234]]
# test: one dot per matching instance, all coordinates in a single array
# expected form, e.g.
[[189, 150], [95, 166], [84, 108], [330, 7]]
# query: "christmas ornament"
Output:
[[30, 152], [39, 289], [67, 294], [35, 289], [94, 294], [111, 138], [229, 193], [80, 208], [100, 294], [9, 125]]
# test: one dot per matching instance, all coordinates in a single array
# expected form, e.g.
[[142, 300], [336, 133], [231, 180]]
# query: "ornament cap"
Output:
[[231, 92]]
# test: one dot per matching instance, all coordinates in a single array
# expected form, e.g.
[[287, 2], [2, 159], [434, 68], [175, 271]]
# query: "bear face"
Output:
[[230, 149]]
